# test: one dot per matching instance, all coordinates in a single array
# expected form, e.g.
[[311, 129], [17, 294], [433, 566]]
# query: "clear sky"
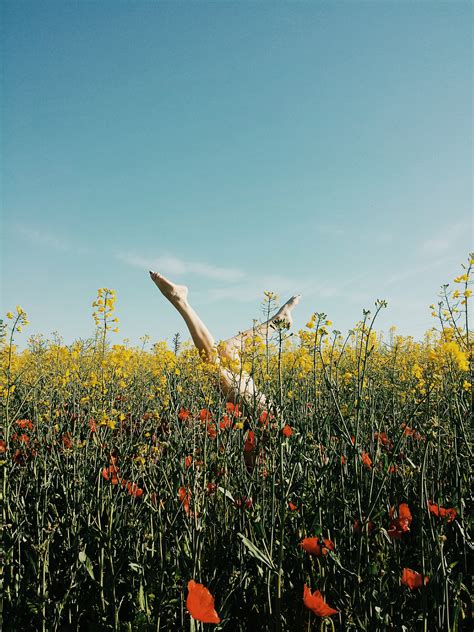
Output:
[[321, 148]]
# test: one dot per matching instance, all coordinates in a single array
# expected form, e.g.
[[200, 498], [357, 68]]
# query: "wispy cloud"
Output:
[[172, 265], [445, 240], [47, 239], [41, 237], [254, 287]]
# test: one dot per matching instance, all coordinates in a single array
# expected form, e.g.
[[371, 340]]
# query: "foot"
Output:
[[176, 294], [284, 313]]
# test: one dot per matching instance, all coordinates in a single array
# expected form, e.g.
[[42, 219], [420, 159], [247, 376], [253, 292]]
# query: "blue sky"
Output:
[[321, 148]]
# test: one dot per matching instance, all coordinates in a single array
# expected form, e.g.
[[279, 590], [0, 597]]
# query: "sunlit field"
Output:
[[136, 498]]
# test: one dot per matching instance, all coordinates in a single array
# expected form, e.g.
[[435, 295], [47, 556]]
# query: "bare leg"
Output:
[[235, 345], [233, 385], [178, 297]]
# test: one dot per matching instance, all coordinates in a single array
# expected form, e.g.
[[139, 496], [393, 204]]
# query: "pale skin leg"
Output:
[[232, 385]]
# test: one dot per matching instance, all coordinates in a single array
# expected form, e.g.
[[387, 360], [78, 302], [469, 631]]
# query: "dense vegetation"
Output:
[[126, 475]]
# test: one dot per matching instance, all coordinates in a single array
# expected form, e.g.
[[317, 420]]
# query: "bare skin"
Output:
[[233, 386]]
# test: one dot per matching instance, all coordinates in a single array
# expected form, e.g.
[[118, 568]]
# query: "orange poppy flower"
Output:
[[343, 460], [317, 546], [292, 506], [205, 415], [382, 438], [316, 603], [188, 461], [412, 579], [450, 514], [366, 460], [67, 443], [108, 472], [183, 414], [3, 445], [185, 497], [401, 524], [287, 431], [263, 419], [134, 490], [233, 409], [200, 603], [24, 424], [249, 445], [211, 431], [225, 423], [92, 425]]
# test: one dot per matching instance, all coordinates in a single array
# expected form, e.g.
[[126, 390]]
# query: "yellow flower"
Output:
[[9, 315], [468, 293], [310, 325], [328, 323], [456, 294], [466, 385]]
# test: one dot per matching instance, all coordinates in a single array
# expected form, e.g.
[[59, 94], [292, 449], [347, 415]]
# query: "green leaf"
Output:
[[259, 555], [85, 561]]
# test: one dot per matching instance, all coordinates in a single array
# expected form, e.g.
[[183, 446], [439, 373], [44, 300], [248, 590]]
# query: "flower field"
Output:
[[136, 498]]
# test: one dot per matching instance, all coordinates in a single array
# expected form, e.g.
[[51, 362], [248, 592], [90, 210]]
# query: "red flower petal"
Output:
[[316, 603], [200, 603]]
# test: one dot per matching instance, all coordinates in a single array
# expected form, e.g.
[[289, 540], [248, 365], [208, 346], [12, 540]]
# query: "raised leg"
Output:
[[233, 347], [178, 297], [235, 385]]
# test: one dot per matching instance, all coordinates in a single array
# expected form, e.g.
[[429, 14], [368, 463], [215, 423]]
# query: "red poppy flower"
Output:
[[249, 445], [233, 409], [382, 438], [292, 506], [401, 524], [205, 415], [366, 460], [450, 514], [225, 423], [134, 490], [3, 446], [185, 497], [18, 457], [287, 431], [263, 419], [412, 579], [92, 425], [24, 424], [67, 443], [200, 603], [183, 414], [317, 546], [211, 488], [409, 432], [188, 461], [111, 474], [211, 431], [316, 603], [343, 460]]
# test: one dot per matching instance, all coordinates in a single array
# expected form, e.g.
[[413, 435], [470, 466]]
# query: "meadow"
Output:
[[136, 498]]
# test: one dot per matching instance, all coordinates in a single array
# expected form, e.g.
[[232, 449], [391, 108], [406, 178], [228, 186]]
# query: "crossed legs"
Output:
[[233, 385]]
